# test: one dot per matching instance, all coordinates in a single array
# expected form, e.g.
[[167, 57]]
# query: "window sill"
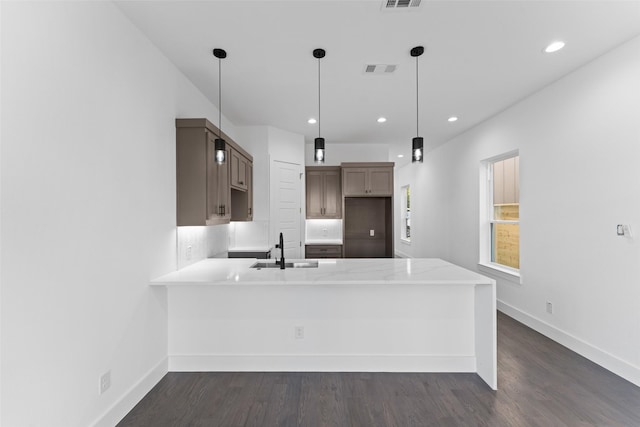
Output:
[[500, 272]]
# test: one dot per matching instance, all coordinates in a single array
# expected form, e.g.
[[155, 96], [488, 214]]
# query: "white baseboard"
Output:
[[608, 361], [321, 363], [132, 396]]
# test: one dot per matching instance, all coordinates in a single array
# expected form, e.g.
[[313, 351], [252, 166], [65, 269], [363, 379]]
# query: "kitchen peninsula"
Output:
[[382, 315]]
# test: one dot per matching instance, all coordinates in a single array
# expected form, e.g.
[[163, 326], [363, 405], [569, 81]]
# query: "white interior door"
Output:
[[286, 207]]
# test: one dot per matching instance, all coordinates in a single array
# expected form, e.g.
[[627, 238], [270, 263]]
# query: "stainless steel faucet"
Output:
[[281, 247]]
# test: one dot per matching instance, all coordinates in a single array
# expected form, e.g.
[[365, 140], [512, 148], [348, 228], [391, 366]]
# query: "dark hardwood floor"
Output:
[[541, 383]]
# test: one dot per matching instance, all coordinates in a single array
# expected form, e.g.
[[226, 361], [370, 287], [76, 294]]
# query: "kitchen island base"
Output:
[[335, 325]]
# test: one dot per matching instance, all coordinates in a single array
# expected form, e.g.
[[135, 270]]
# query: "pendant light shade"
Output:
[[221, 150], [416, 149], [219, 144], [318, 149], [318, 146], [417, 146]]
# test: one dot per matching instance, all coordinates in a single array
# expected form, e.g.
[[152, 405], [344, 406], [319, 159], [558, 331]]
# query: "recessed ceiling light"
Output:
[[452, 119], [312, 121], [381, 119], [554, 47], [400, 155]]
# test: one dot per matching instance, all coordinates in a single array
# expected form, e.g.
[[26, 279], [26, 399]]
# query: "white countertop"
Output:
[[392, 271]]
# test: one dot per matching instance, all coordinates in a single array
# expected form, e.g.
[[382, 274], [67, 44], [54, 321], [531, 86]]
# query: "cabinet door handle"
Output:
[[240, 182], [249, 211]]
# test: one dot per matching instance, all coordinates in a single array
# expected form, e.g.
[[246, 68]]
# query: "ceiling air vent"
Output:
[[400, 4], [379, 68]]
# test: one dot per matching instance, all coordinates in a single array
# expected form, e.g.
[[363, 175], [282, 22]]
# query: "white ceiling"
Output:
[[480, 58]]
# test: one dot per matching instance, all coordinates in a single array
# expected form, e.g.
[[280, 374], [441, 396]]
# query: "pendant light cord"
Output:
[[319, 121], [417, 106], [220, 97]]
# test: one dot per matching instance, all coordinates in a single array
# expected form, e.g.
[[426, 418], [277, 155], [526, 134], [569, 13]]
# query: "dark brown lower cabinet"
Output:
[[323, 251]]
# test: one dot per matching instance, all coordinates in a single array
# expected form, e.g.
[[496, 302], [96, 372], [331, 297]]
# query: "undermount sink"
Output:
[[295, 264]]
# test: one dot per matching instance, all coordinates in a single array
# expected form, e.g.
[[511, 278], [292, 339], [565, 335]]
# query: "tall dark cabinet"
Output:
[[368, 210]]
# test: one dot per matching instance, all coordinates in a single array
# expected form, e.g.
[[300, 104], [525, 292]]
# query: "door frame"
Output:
[[273, 209]]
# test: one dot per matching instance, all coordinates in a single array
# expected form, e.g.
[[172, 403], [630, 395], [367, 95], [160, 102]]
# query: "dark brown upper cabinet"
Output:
[[241, 165], [324, 195], [367, 179], [239, 171], [203, 187], [242, 201]]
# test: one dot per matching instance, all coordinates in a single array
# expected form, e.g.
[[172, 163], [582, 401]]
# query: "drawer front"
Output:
[[323, 251]]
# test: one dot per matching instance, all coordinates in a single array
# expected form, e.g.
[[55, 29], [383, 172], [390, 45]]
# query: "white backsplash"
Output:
[[252, 234], [323, 229], [217, 241], [198, 243]]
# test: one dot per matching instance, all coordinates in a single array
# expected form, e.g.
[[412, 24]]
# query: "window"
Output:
[[406, 214], [501, 232]]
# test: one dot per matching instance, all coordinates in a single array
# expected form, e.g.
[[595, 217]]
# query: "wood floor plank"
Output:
[[540, 383]]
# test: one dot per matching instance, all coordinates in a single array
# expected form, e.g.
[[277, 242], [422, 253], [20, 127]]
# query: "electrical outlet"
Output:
[[298, 332], [372, 233], [549, 308], [104, 382], [189, 252], [623, 230]]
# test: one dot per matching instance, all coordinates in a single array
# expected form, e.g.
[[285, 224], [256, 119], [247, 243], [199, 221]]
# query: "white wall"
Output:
[[337, 153], [286, 146], [579, 142], [88, 210]]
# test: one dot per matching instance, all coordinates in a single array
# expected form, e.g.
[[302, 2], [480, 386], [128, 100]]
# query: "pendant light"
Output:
[[318, 146], [219, 144], [417, 146]]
